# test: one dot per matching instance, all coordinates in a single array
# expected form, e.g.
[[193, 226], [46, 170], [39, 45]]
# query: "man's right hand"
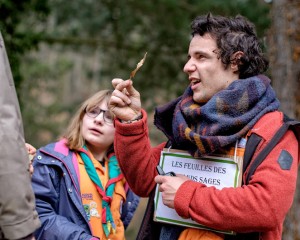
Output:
[[125, 101]]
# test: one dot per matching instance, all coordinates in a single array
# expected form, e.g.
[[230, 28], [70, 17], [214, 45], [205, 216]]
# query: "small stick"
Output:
[[138, 66], [132, 74]]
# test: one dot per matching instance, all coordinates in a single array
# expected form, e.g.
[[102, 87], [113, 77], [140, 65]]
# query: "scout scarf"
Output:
[[225, 118], [115, 175]]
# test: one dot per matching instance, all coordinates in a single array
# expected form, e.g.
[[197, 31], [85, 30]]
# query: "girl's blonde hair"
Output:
[[73, 136]]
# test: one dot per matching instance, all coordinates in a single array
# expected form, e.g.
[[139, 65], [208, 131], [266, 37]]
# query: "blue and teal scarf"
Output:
[[225, 118], [106, 193]]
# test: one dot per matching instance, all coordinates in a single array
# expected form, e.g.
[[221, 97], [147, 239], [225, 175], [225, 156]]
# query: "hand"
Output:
[[31, 150], [125, 101], [169, 186]]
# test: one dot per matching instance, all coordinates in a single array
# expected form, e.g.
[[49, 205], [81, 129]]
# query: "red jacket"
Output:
[[260, 206]]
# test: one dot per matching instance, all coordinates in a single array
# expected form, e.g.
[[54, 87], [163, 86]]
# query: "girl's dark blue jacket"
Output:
[[58, 199]]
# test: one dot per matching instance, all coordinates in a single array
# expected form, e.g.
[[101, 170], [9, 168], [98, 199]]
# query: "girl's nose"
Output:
[[99, 118]]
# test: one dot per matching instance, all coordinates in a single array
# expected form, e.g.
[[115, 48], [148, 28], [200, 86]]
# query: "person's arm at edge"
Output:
[[18, 217]]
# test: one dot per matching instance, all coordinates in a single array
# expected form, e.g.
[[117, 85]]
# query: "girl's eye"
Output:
[[108, 115], [94, 111]]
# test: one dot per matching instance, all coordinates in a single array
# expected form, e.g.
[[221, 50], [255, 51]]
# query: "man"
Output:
[[18, 218], [227, 100]]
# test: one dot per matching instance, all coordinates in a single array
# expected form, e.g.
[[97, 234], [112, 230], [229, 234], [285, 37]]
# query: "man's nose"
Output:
[[189, 67]]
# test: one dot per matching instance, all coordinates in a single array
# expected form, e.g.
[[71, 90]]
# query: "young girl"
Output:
[[78, 185]]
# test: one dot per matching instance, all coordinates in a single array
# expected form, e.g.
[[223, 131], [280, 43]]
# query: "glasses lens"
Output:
[[107, 116], [93, 112]]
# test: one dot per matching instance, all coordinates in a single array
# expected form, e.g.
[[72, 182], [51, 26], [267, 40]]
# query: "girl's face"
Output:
[[97, 130]]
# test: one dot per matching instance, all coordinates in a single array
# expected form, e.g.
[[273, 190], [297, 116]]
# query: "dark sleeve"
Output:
[[129, 207]]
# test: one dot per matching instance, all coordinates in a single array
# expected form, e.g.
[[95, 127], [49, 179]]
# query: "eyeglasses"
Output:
[[95, 112]]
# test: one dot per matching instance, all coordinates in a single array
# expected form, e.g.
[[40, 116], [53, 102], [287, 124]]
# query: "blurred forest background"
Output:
[[61, 52]]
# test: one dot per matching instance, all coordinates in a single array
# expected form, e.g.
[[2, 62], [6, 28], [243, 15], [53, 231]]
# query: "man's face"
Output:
[[206, 72]]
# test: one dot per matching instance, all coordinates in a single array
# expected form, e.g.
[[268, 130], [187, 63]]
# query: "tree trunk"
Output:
[[284, 49]]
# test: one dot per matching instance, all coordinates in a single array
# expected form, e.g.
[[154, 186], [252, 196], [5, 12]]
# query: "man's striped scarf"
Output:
[[225, 118]]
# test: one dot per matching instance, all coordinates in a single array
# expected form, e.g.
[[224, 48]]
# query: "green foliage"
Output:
[[86, 43], [17, 21], [126, 29]]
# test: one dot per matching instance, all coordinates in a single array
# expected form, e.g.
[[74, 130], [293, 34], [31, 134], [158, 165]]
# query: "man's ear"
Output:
[[236, 61]]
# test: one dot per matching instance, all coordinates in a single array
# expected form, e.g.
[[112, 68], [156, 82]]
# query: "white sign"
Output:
[[217, 171]]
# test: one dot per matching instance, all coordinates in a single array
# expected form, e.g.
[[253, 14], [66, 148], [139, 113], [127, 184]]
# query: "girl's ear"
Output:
[[236, 61]]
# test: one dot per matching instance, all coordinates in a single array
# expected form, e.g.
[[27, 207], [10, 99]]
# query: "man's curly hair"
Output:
[[233, 35]]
